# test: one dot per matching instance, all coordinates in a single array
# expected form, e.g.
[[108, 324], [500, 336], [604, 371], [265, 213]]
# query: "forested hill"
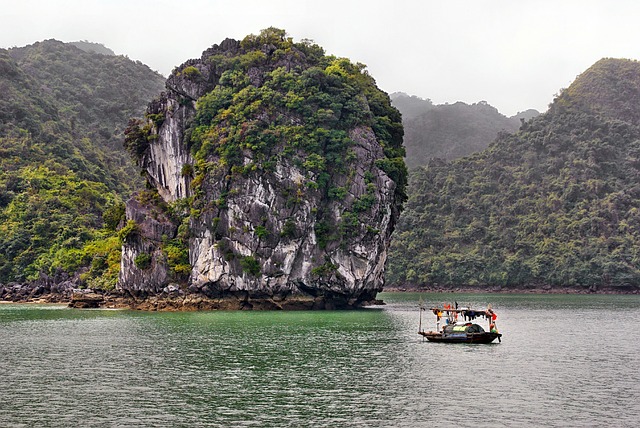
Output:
[[555, 204], [89, 98], [62, 164], [450, 131]]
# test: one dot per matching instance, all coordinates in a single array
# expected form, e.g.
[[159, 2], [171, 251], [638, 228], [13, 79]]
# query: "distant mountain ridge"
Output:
[[410, 106], [94, 95], [450, 131], [93, 47], [556, 204]]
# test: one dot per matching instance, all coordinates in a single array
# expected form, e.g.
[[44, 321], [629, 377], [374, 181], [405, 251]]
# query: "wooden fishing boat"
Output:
[[457, 326]]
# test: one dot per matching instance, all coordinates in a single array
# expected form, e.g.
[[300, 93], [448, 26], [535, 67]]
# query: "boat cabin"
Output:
[[462, 329]]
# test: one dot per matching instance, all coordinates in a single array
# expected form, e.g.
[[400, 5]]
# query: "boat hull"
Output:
[[485, 337]]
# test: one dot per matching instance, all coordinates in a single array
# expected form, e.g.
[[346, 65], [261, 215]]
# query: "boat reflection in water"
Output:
[[457, 326]]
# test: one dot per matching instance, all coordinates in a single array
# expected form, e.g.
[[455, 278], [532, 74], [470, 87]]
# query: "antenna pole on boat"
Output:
[[421, 306]]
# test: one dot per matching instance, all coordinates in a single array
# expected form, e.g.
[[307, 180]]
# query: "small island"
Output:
[[275, 179]]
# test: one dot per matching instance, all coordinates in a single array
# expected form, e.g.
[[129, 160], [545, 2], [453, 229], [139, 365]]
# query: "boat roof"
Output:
[[480, 312]]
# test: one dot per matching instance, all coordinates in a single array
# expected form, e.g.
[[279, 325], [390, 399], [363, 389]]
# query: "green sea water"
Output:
[[564, 361]]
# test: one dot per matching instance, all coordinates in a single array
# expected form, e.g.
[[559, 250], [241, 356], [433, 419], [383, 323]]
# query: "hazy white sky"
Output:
[[514, 54]]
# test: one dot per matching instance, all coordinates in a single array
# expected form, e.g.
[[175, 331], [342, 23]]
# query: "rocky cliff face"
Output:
[[278, 171]]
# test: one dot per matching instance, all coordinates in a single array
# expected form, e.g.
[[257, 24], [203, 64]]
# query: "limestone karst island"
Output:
[[276, 177]]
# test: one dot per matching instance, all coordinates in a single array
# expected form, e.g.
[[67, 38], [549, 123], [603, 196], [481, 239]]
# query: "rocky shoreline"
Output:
[[174, 300], [171, 300], [521, 289]]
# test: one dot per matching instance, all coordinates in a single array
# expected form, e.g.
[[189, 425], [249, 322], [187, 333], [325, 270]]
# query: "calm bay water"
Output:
[[563, 361]]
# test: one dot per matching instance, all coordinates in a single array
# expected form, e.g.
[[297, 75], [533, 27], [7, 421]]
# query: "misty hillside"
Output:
[[526, 115], [557, 203], [410, 106], [62, 164], [450, 131], [92, 47]]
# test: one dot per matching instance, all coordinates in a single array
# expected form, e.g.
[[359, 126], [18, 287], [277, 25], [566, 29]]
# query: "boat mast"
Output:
[[421, 305]]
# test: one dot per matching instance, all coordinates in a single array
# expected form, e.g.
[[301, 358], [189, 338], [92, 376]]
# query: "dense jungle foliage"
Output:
[[63, 173], [305, 99], [557, 203], [450, 131]]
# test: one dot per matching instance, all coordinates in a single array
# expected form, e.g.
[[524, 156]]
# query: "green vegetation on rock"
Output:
[[50, 221], [310, 107]]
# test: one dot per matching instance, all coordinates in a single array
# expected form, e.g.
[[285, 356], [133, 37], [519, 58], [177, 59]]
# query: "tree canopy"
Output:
[[63, 172], [557, 203]]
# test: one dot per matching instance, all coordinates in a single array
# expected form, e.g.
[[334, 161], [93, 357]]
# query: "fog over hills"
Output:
[[450, 131]]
